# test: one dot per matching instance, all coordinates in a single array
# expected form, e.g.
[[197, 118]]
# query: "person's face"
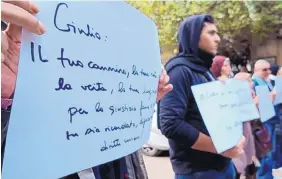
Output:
[[264, 71], [209, 39], [226, 68]]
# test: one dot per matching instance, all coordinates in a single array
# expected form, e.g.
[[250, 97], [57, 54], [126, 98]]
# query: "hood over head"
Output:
[[189, 34]]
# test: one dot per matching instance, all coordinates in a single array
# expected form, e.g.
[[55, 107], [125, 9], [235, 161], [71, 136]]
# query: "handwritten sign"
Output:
[[86, 89], [219, 108], [278, 89], [248, 109], [266, 107]]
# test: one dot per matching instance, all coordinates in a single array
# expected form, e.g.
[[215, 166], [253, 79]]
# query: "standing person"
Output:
[[279, 130], [244, 163], [18, 15], [274, 70], [192, 152], [221, 68], [278, 155], [261, 78]]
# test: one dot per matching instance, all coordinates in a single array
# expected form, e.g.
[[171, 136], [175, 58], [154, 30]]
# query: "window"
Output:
[[271, 60]]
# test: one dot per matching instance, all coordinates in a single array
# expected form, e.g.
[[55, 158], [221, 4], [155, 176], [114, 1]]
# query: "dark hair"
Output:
[[274, 69], [209, 19]]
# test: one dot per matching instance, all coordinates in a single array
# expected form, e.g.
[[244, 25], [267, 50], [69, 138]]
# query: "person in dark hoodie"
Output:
[[274, 70], [192, 152]]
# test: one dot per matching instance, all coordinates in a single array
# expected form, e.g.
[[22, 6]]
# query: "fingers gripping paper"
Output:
[[85, 91], [220, 109]]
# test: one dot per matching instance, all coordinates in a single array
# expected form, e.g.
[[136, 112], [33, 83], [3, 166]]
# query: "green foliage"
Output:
[[233, 18], [168, 14], [267, 17]]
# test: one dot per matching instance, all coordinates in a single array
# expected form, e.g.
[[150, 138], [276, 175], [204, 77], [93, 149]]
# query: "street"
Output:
[[158, 167]]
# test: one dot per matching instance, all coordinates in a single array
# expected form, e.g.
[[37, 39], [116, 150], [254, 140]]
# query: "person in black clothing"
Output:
[[278, 129], [192, 152], [274, 70]]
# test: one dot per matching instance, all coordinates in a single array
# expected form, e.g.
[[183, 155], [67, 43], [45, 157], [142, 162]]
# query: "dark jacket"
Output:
[[274, 70], [279, 126], [180, 119]]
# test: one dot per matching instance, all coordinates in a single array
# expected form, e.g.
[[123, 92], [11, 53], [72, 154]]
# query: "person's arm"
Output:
[[204, 143], [18, 15], [172, 112]]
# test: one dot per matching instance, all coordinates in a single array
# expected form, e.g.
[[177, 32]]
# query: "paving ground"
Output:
[[159, 167]]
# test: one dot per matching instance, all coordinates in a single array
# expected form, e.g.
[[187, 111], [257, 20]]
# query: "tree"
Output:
[[264, 19], [239, 22], [168, 14]]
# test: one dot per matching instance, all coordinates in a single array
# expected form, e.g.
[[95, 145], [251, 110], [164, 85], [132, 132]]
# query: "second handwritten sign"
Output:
[[220, 109]]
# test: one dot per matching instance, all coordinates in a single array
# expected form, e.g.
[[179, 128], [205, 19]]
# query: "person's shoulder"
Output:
[[179, 64], [255, 82], [180, 71]]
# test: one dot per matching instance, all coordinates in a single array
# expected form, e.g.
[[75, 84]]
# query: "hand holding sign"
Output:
[[224, 106], [256, 100], [21, 14], [85, 93], [237, 150], [18, 14], [219, 108], [163, 86]]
